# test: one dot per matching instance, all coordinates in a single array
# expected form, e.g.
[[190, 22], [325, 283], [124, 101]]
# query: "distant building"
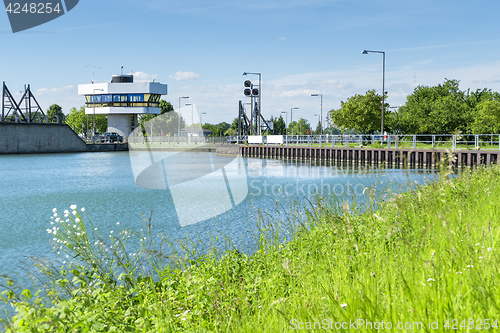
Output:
[[122, 100]]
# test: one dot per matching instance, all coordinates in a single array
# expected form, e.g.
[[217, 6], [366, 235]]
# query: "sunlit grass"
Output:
[[416, 259]]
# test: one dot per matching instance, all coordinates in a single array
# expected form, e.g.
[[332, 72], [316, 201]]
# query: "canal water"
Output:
[[108, 186]]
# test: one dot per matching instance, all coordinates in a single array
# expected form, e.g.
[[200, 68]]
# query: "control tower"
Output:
[[122, 100]]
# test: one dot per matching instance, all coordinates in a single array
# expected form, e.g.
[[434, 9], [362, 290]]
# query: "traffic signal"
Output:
[[255, 92], [247, 92]]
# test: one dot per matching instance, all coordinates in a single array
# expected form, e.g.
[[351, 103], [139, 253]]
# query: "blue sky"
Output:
[[200, 49]]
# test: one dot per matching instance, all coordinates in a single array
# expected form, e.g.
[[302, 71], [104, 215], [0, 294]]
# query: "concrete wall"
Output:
[[18, 138], [228, 150], [120, 123]]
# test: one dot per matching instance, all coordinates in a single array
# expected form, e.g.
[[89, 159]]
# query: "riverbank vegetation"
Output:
[[419, 260], [441, 109]]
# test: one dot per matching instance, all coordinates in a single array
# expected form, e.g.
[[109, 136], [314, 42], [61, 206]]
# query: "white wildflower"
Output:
[[343, 305], [83, 209], [54, 210], [72, 207]]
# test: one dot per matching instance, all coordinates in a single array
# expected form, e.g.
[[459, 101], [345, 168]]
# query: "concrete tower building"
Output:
[[122, 100]]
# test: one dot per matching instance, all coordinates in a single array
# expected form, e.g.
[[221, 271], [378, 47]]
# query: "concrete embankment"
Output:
[[22, 138], [410, 157]]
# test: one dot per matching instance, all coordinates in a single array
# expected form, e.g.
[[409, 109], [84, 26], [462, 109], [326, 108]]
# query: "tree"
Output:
[[299, 127], [77, 119], [55, 113], [361, 113], [442, 109], [217, 129], [165, 123], [279, 126], [164, 107], [319, 129], [233, 129], [487, 118]]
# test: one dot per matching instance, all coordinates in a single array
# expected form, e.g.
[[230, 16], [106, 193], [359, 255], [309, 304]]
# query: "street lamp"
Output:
[[383, 88], [179, 112], [286, 121], [260, 94], [291, 116], [321, 120], [188, 104]]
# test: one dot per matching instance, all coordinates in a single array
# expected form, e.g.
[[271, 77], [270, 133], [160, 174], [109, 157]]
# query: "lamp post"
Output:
[[179, 113], [383, 88], [291, 117], [321, 120], [260, 94], [286, 121]]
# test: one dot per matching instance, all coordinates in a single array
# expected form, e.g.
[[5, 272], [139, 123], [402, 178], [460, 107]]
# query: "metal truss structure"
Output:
[[26, 110], [248, 125]]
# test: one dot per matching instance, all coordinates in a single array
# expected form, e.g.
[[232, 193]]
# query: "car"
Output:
[[111, 137]]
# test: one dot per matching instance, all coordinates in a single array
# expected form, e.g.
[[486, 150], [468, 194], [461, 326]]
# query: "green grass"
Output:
[[423, 257]]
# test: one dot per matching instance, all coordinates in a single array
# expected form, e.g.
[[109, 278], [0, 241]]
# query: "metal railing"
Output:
[[178, 139], [418, 141], [38, 119]]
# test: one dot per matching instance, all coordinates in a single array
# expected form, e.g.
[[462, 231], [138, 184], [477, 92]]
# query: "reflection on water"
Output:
[[105, 184]]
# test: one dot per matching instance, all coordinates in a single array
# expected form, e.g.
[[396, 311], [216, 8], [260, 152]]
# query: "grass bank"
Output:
[[426, 260]]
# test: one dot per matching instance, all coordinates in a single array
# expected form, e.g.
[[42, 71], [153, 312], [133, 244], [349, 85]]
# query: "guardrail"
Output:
[[179, 139], [418, 141], [38, 119]]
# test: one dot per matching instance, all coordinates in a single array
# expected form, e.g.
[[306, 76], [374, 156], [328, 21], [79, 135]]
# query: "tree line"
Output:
[[441, 109]]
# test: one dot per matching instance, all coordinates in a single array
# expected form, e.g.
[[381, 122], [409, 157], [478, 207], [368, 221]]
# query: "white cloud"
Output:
[[180, 76], [43, 91], [144, 77], [297, 93]]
